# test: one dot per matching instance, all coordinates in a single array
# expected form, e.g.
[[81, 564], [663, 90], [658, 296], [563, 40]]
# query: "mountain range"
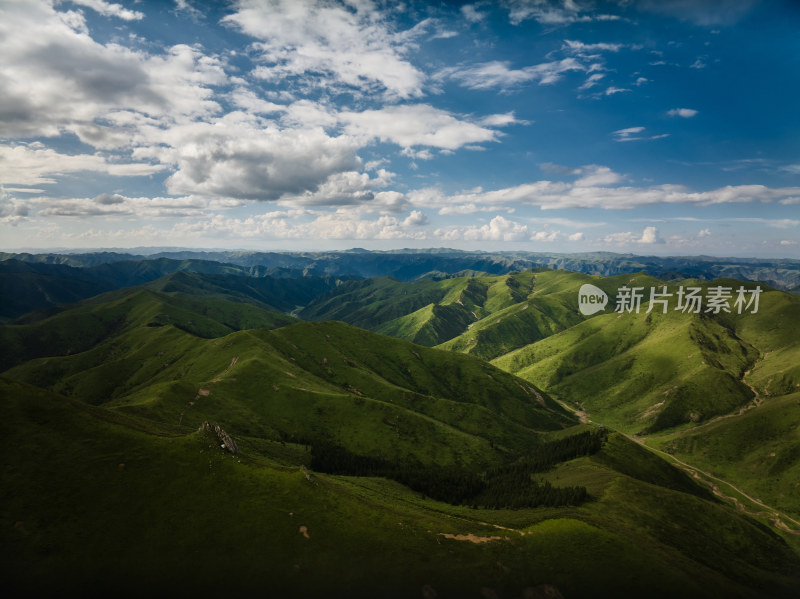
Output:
[[449, 436]]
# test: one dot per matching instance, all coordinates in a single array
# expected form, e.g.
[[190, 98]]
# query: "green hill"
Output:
[[432, 312], [84, 325], [310, 381], [649, 372], [26, 286]]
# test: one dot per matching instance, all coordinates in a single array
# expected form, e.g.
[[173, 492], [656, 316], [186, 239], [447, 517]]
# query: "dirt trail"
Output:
[[470, 537], [221, 374], [776, 517]]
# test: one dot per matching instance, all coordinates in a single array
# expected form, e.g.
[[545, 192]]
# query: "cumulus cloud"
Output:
[[415, 219], [498, 229], [685, 113], [348, 189], [351, 44], [649, 236], [54, 77], [415, 125], [242, 157]]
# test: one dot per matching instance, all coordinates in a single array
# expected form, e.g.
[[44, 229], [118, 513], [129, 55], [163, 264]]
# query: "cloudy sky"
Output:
[[644, 126]]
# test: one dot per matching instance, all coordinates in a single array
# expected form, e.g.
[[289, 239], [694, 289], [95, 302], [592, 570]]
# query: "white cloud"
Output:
[[793, 169], [498, 229], [576, 237], [349, 188], [34, 164], [502, 120], [788, 242], [55, 78], [350, 44], [342, 224], [592, 80], [649, 236], [472, 14], [550, 195], [110, 9], [415, 125], [577, 47], [498, 74], [704, 233], [553, 12], [610, 91], [115, 204], [546, 235], [685, 113], [185, 7], [631, 134], [243, 157], [594, 175], [415, 219]]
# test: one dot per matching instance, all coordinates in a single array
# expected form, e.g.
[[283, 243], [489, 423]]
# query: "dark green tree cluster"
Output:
[[508, 486]]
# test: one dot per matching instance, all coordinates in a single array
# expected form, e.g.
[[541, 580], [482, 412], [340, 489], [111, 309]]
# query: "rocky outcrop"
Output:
[[225, 439]]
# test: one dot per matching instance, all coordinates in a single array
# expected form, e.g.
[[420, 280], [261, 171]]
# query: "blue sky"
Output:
[[644, 126]]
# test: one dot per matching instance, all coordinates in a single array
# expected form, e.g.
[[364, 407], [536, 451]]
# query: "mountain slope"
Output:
[[138, 512], [371, 394], [28, 286], [77, 328], [649, 372]]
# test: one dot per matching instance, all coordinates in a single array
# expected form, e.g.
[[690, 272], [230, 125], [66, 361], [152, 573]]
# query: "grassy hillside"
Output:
[[648, 372], [26, 286], [138, 512], [371, 394], [85, 325], [758, 451], [462, 309]]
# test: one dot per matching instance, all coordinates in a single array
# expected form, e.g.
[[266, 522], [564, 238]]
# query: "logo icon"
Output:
[[591, 299]]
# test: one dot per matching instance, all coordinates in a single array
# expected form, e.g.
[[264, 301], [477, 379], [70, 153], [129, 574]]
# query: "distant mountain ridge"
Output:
[[414, 264]]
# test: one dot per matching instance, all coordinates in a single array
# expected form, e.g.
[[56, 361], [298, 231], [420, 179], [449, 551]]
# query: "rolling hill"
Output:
[[368, 466], [27, 286]]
